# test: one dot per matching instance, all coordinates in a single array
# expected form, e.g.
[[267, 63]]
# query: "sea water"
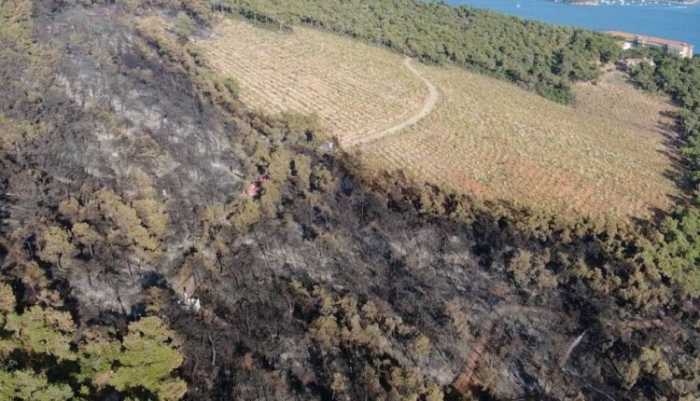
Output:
[[679, 22]]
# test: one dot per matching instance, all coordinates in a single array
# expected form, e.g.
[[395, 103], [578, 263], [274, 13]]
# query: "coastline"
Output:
[[623, 2], [667, 19]]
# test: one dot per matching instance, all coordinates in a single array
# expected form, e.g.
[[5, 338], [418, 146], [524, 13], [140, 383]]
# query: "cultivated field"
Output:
[[605, 155], [492, 138], [356, 89], [611, 97]]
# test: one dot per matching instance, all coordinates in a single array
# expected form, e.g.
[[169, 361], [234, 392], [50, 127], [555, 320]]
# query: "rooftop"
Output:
[[653, 39]]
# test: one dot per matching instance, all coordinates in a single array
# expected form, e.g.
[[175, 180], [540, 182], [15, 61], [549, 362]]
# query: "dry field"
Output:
[[613, 98], [356, 89], [606, 155], [493, 139]]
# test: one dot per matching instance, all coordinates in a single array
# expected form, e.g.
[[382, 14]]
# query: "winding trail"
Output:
[[427, 108]]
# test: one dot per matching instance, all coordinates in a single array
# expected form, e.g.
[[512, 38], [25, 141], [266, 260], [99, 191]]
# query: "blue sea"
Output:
[[668, 21]]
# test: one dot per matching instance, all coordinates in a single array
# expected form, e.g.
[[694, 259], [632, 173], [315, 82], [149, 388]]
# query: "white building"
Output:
[[631, 40]]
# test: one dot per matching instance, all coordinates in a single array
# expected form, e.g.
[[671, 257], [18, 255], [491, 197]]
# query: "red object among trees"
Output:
[[254, 187]]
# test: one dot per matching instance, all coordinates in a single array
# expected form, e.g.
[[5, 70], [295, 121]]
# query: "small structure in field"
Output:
[[327, 146]]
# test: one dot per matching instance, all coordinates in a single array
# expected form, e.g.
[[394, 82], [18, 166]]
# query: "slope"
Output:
[[356, 90], [490, 138], [325, 285], [484, 136]]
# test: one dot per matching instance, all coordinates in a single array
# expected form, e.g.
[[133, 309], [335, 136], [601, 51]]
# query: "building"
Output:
[[631, 40]]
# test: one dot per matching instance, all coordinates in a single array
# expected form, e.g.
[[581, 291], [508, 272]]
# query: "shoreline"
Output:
[[628, 2], [671, 19]]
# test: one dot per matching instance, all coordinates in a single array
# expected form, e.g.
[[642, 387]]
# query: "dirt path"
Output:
[[428, 107]]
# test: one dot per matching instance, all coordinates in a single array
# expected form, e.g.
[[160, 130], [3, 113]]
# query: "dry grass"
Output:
[[605, 155], [491, 138], [612, 97], [355, 89]]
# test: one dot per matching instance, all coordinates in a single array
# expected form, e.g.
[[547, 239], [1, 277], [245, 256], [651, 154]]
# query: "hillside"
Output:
[[545, 59], [161, 239], [355, 89], [495, 140], [613, 96], [606, 155]]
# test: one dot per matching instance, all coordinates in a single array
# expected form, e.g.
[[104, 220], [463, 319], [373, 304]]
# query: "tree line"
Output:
[[679, 78], [543, 58]]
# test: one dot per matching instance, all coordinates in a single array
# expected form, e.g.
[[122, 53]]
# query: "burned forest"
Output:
[[162, 240]]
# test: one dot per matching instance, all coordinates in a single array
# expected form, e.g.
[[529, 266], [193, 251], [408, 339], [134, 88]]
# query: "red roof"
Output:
[[651, 39]]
